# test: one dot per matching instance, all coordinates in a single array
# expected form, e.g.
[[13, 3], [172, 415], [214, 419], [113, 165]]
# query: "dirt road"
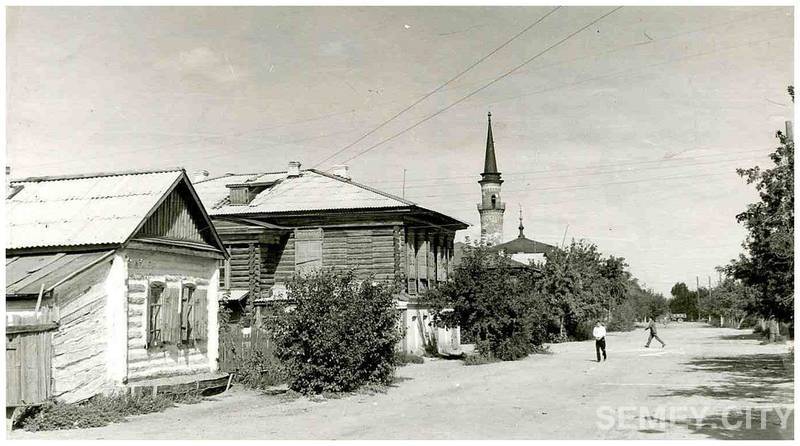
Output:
[[707, 383]]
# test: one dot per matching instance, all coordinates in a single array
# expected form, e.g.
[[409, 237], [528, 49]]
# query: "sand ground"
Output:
[[707, 383]]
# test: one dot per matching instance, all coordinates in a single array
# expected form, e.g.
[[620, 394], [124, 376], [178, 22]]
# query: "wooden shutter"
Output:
[[170, 313], [187, 312], [411, 263], [200, 319], [422, 257]]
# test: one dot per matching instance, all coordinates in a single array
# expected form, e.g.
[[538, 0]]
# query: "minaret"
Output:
[[521, 227], [491, 208]]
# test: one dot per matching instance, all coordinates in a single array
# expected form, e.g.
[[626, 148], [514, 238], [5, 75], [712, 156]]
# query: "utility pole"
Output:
[[404, 184], [698, 297]]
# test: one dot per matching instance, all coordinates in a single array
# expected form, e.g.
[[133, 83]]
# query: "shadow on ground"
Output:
[[748, 424], [742, 337], [759, 378]]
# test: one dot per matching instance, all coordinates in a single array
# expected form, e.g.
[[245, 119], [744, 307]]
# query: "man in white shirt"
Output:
[[599, 334]]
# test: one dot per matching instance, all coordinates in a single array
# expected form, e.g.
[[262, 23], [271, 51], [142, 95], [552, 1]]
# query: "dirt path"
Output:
[[705, 382]]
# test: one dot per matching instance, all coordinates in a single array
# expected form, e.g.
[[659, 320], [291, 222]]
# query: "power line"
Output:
[[606, 172], [485, 86], [440, 87], [530, 172], [582, 186], [353, 110]]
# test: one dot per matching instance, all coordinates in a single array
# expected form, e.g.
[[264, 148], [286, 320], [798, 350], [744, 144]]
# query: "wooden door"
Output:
[[28, 367]]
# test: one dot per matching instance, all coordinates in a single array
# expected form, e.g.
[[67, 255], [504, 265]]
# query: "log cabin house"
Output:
[[111, 283], [277, 224]]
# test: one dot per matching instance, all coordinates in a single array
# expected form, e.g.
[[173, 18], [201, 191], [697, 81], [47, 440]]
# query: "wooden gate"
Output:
[[28, 364]]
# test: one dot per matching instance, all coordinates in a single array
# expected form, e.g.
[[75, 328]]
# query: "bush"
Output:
[[100, 410], [340, 334], [583, 330]]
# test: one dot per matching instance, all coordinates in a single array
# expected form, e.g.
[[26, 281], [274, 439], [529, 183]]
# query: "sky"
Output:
[[626, 135]]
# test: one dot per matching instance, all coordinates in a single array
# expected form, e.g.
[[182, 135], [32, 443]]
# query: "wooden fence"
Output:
[[237, 343], [28, 364]]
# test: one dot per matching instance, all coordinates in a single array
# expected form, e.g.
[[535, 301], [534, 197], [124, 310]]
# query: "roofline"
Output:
[[233, 174], [94, 175], [55, 249], [363, 186], [307, 212]]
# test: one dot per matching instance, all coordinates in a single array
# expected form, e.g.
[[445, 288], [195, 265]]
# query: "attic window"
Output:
[[244, 193]]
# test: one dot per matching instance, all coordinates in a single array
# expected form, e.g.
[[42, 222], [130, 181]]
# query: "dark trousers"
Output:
[[599, 345], [652, 336]]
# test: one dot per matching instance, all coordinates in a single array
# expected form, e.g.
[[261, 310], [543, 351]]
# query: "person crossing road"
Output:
[[653, 333]]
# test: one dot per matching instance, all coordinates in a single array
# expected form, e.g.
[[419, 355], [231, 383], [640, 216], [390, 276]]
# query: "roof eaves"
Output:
[[94, 175]]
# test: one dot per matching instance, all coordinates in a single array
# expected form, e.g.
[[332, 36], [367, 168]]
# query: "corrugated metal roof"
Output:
[[84, 210], [310, 191], [213, 191], [26, 274]]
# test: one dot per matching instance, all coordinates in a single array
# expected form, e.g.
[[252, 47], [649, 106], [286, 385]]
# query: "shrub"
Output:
[[340, 334], [100, 410]]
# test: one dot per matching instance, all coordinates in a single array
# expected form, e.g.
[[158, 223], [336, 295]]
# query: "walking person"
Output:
[[653, 333], [599, 333]]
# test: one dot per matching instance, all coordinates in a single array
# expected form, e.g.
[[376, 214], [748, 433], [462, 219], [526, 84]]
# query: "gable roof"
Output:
[[312, 190], [102, 209], [523, 245]]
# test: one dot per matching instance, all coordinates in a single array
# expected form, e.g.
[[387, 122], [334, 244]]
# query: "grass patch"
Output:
[[98, 411], [403, 358], [478, 360]]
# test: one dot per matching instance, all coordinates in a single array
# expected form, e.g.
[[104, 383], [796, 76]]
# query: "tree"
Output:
[[768, 262], [731, 300], [493, 300], [683, 301]]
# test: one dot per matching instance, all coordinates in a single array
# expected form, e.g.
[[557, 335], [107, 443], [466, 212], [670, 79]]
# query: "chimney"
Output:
[[294, 169], [200, 175], [340, 171]]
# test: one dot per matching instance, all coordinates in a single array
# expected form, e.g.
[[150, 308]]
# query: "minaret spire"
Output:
[[490, 163], [521, 226], [491, 207]]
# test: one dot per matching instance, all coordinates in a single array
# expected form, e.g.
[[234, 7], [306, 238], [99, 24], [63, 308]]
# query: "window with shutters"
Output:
[[307, 249], [155, 319]]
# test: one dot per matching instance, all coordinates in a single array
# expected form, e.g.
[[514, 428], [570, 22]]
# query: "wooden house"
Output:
[[111, 283], [277, 224]]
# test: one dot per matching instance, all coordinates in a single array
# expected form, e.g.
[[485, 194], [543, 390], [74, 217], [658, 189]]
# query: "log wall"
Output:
[[79, 344], [144, 269]]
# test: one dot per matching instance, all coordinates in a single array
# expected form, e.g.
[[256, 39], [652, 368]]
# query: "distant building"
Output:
[[111, 282], [523, 249], [276, 224], [491, 207]]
